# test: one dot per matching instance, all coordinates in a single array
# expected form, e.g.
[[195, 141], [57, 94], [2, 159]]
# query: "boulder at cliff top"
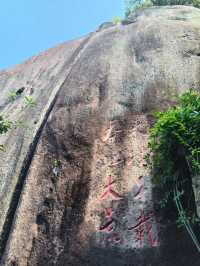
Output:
[[74, 189]]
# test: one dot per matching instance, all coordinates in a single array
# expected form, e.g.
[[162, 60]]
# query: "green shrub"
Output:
[[176, 133], [175, 155], [116, 20], [12, 96], [5, 125], [196, 3], [29, 101]]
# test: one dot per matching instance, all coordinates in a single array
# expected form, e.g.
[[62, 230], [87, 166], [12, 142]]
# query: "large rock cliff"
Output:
[[74, 188]]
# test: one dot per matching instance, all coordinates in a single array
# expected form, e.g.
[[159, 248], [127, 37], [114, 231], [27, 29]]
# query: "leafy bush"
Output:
[[175, 135], [116, 20], [175, 155], [12, 96], [29, 101], [196, 3], [5, 125]]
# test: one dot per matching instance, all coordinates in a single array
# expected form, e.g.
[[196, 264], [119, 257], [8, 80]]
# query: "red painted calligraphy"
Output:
[[144, 227], [108, 226], [110, 192]]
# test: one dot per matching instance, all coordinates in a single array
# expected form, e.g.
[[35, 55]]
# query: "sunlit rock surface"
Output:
[[74, 186]]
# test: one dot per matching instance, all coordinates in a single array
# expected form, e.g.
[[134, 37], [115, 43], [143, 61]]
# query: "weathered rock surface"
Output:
[[74, 189]]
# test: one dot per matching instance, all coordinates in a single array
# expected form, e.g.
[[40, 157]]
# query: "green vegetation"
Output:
[[12, 96], [176, 134], [5, 125], [29, 101], [116, 20], [56, 163], [185, 219], [133, 5], [196, 3], [171, 2], [175, 154]]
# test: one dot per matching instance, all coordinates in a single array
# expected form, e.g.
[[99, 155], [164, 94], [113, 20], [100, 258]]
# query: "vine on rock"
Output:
[[174, 156]]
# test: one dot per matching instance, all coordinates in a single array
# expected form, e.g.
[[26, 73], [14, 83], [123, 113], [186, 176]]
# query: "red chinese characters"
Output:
[[144, 227], [110, 192], [108, 225], [113, 227]]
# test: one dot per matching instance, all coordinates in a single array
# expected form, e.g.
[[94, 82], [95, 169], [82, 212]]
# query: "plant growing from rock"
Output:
[[5, 125], [12, 96], [29, 101], [175, 155], [133, 5], [116, 20]]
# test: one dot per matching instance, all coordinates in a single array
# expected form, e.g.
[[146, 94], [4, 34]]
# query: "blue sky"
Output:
[[30, 26]]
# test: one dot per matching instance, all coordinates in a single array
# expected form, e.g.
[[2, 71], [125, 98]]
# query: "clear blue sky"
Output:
[[30, 26]]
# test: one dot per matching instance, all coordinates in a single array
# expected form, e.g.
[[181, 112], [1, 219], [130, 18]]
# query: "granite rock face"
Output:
[[74, 187]]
